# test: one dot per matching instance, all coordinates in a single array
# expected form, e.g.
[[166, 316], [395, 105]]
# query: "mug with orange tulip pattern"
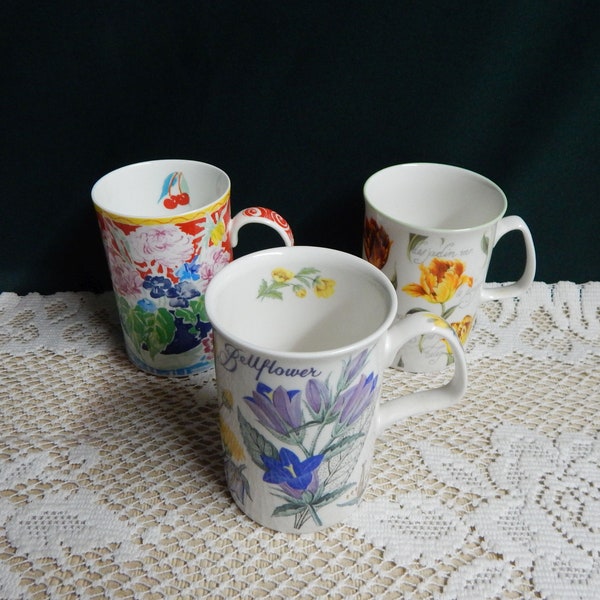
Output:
[[431, 229]]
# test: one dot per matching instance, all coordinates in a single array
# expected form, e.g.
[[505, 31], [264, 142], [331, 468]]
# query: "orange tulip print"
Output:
[[376, 243], [439, 281], [438, 284]]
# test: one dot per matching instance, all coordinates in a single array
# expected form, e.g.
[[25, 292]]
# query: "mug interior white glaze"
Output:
[[134, 191], [361, 309], [435, 197]]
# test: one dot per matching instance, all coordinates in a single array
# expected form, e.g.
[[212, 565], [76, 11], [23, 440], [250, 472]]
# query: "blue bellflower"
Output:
[[289, 470]]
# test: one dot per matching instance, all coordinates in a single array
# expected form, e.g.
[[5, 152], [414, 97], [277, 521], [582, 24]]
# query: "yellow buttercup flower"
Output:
[[439, 281], [324, 288], [217, 234], [300, 291], [230, 442], [281, 275]]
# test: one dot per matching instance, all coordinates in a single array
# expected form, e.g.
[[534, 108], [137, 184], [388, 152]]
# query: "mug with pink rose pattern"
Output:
[[167, 230]]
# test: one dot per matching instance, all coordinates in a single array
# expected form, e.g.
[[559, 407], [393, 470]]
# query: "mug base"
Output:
[[200, 367]]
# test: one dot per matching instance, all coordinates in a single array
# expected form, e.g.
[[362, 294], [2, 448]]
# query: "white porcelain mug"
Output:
[[167, 229], [302, 336], [431, 228]]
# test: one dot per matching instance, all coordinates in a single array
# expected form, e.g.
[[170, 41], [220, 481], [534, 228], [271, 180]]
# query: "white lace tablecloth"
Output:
[[112, 486]]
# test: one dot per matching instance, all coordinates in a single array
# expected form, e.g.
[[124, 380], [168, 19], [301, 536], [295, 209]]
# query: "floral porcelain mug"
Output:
[[431, 228], [167, 229], [302, 337]]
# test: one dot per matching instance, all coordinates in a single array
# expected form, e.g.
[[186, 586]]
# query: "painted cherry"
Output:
[[170, 202]]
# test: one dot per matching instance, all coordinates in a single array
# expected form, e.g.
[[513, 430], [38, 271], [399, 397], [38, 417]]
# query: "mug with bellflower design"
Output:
[[431, 229], [167, 230], [302, 336]]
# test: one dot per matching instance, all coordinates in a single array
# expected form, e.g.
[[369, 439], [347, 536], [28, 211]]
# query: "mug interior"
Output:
[[246, 302], [139, 190], [435, 197]]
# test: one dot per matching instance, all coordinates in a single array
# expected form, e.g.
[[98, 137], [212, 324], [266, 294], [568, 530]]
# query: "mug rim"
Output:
[[220, 280], [189, 215], [439, 166]]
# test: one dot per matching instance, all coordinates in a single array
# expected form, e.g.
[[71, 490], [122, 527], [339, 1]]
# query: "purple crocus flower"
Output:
[[279, 410], [351, 403], [289, 471]]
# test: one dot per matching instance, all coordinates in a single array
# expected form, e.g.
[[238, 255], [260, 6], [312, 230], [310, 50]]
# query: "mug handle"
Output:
[[402, 331], [264, 216], [507, 224]]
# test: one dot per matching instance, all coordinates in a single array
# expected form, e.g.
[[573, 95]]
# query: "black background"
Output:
[[299, 102]]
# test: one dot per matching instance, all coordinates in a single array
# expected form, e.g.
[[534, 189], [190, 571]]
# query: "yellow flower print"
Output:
[[281, 275], [324, 288], [439, 321], [307, 278], [439, 281], [230, 442], [463, 328], [217, 234]]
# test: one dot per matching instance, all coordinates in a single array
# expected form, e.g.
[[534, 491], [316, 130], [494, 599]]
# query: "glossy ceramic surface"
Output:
[[431, 229], [167, 230], [302, 336]]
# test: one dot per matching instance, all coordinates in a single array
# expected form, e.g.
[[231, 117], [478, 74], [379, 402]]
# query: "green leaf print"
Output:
[[340, 445], [414, 240], [191, 314], [153, 331], [485, 244], [256, 444], [160, 331], [271, 290]]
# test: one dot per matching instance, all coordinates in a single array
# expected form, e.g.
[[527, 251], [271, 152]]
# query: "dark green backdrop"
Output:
[[299, 102]]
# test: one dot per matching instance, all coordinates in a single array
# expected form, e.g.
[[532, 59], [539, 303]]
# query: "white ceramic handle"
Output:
[[507, 224], [264, 216], [401, 332]]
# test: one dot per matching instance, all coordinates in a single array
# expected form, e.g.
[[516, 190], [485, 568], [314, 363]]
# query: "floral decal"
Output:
[[160, 273], [376, 243], [438, 284], [301, 283], [307, 442], [234, 453]]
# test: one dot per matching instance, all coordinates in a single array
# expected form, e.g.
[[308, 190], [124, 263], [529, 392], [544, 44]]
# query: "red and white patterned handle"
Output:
[[264, 216]]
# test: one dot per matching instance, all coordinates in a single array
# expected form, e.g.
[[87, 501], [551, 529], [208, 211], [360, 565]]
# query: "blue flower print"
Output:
[[157, 285], [147, 305], [306, 442], [189, 271], [181, 294], [289, 470]]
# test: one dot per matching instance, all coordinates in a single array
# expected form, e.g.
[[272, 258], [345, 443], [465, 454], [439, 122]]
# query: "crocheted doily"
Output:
[[112, 485]]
